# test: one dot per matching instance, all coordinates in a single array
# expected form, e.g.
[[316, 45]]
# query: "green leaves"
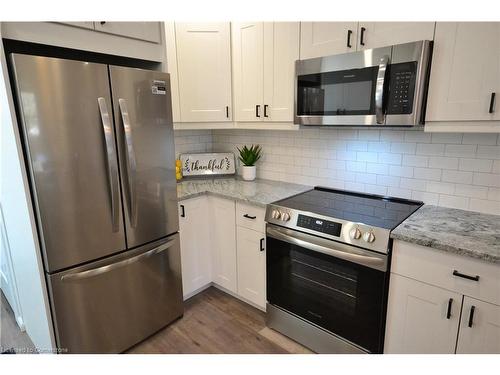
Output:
[[250, 156]]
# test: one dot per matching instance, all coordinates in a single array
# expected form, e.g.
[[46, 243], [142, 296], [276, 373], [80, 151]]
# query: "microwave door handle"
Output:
[[379, 90]]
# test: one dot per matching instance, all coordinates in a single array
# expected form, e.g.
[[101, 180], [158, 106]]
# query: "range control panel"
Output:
[[319, 225], [401, 88]]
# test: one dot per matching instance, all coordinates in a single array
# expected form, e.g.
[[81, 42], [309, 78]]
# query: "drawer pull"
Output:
[[249, 217], [468, 277], [262, 244], [471, 316], [448, 313], [183, 211]]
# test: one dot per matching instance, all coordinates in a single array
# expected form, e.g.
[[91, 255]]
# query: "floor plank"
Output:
[[215, 322]]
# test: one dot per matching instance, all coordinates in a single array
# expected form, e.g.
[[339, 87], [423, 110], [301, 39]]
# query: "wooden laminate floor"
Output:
[[215, 322], [11, 337]]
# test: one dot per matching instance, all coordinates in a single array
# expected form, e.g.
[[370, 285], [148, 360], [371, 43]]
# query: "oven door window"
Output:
[[342, 297], [339, 93]]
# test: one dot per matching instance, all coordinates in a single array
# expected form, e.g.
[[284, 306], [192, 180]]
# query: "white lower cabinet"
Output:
[[223, 241], [418, 320], [196, 257], [251, 265], [479, 328]]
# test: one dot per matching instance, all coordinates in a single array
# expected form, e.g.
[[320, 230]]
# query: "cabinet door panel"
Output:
[[381, 34], [281, 49], [248, 70], [326, 38], [204, 67], [195, 244], [251, 266], [223, 237], [465, 71], [148, 31], [417, 318], [483, 337]]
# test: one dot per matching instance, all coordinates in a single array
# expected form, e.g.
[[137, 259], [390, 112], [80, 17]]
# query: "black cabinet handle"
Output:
[[183, 211], [257, 110], [227, 111], [265, 110], [492, 102], [362, 37], [349, 33], [262, 244], [249, 217], [448, 312], [103, 22], [463, 275], [471, 316]]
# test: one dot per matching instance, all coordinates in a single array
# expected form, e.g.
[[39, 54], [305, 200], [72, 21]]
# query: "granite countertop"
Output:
[[258, 192], [455, 231]]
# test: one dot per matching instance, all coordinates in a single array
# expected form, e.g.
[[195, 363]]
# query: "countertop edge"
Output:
[[221, 195]]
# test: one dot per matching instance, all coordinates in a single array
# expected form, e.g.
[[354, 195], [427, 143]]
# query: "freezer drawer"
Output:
[[112, 304]]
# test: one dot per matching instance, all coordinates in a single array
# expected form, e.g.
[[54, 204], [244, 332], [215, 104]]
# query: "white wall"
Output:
[[446, 169], [21, 232]]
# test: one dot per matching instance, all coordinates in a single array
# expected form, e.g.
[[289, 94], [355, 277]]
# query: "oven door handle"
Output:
[[329, 247], [379, 90]]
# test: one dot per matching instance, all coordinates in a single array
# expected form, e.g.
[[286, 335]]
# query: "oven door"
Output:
[[340, 288], [345, 89]]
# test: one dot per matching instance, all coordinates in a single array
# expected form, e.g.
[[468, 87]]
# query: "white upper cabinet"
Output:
[[381, 34], [281, 49], [204, 71], [248, 70], [479, 328], [465, 72], [264, 55], [421, 318], [223, 237], [327, 38], [148, 31]]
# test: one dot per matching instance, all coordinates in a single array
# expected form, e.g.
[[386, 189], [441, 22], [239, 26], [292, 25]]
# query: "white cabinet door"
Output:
[[381, 34], [327, 38], [204, 69], [149, 31], [465, 72], [248, 70], [479, 328], [251, 265], [195, 244], [418, 320], [223, 237], [281, 49]]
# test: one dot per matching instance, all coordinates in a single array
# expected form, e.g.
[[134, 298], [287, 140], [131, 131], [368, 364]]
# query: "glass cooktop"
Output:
[[373, 210]]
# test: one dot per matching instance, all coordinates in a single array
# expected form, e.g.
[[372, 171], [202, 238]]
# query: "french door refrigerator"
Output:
[[100, 152]]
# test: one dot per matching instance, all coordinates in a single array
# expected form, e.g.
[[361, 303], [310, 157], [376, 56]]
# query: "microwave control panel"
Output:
[[401, 88]]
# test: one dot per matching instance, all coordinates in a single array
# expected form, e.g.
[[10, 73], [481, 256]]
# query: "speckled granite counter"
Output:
[[455, 231], [259, 192]]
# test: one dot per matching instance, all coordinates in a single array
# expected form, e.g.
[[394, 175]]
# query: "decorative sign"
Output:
[[207, 164]]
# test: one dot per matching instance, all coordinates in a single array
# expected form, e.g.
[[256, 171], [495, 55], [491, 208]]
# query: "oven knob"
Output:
[[369, 237], [355, 233], [285, 216], [275, 214]]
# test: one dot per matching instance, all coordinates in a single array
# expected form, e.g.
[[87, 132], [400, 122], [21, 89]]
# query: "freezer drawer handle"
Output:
[[131, 162], [111, 160], [110, 267]]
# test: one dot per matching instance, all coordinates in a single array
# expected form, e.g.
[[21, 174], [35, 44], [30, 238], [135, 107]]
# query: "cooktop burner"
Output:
[[362, 220], [383, 212]]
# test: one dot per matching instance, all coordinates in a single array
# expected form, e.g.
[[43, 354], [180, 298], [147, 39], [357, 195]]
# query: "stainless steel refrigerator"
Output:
[[100, 152]]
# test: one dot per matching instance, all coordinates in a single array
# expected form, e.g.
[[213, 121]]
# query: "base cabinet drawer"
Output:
[[251, 257], [251, 217], [421, 318]]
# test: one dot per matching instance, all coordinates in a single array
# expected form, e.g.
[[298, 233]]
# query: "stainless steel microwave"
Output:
[[378, 87]]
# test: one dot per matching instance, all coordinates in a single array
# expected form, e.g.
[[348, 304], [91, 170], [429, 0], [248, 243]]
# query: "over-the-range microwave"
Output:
[[384, 86]]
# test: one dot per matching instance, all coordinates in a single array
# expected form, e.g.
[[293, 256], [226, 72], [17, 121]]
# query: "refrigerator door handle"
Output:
[[110, 267], [111, 161], [131, 162]]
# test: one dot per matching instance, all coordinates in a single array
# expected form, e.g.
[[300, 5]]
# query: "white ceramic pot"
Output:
[[249, 173]]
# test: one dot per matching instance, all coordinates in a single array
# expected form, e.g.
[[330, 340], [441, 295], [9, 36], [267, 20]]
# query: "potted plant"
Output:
[[249, 156]]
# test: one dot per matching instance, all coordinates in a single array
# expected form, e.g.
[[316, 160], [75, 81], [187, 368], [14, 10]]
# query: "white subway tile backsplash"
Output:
[[455, 170]]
